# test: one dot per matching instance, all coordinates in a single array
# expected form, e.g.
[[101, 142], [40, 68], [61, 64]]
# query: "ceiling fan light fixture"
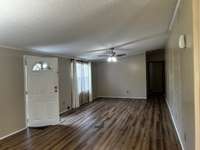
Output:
[[112, 59], [109, 59]]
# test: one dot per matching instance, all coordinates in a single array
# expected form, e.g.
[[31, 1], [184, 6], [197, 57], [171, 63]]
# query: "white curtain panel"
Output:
[[90, 82], [75, 95], [82, 83]]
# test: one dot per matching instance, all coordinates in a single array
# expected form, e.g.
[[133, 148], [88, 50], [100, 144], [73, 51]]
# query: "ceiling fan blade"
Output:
[[121, 55], [104, 55]]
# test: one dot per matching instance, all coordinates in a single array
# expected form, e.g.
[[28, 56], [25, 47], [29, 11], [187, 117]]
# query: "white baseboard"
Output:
[[122, 97], [64, 111], [173, 120], [1, 138]]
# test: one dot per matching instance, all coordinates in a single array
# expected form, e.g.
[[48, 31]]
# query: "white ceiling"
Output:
[[74, 27]]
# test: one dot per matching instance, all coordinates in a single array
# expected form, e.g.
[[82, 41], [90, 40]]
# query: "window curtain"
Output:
[[90, 82], [75, 97], [82, 83]]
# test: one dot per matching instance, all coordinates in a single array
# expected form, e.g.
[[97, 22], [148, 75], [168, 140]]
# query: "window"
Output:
[[83, 76], [41, 66]]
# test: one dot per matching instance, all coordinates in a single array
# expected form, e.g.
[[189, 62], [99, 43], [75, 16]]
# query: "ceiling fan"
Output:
[[111, 55], [118, 50], [111, 52]]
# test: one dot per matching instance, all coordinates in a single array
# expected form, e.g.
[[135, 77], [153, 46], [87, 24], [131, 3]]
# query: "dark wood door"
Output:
[[156, 78]]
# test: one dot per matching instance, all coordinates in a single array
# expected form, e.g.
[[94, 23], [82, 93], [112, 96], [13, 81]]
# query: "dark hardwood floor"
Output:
[[104, 125]]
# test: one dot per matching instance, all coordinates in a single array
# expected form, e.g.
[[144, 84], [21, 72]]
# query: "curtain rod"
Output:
[[84, 61]]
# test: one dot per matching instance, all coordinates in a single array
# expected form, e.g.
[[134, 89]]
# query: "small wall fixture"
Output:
[[182, 41]]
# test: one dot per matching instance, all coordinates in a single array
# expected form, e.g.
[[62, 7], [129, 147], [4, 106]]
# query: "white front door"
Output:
[[41, 87]]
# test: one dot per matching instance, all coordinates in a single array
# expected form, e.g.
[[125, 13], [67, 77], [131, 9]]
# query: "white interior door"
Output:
[[42, 98]]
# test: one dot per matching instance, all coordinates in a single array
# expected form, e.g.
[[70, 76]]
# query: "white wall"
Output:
[[126, 78], [180, 76]]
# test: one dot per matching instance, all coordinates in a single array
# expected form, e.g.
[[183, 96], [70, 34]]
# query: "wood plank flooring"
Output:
[[106, 124]]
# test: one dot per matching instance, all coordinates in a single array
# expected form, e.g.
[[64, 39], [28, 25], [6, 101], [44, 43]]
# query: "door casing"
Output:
[[196, 38]]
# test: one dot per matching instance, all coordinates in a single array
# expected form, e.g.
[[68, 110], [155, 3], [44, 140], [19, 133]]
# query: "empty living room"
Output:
[[99, 75]]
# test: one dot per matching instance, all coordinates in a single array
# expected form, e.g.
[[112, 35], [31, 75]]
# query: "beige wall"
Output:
[[180, 81], [12, 106], [12, 103], [126, 78], [65, 88]]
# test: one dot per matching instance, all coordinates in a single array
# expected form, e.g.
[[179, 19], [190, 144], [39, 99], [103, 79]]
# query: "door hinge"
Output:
[[26, 92]]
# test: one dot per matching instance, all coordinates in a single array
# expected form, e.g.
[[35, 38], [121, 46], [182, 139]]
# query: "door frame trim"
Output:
[[25, 89], [196, 36]]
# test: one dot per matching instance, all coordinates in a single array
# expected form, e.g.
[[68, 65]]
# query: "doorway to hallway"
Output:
[[155, 72]]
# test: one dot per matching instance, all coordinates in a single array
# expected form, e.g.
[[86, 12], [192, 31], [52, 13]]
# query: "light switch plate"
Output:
[[182, 41]]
